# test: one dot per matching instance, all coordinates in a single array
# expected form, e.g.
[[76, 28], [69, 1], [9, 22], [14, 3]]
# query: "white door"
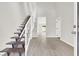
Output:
[[58, 27], [41, 26]]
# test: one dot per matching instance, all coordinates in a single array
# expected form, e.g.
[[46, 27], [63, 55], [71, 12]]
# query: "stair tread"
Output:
[[14, 42], [17, 37], [21, 26], [13, 50], [19, 29], [17, 32], [26, 20]]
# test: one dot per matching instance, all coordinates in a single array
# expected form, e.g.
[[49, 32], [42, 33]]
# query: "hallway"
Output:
[[33, 20], [49, 47]]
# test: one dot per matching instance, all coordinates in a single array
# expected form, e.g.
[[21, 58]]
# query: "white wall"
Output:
[[53, 10], [47, 9], [11, 16], [66, 12]]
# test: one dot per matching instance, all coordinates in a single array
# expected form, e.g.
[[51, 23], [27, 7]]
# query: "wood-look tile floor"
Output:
[[49, 47], [14, 54]]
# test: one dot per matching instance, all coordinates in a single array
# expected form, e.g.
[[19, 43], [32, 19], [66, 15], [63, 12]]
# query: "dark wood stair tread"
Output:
[[14, 42], [17, 32], [13, 50], [21, 26], [20, 29], [26, 20], [17, 37]]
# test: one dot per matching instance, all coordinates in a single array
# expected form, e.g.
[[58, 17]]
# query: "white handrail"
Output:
[[28, 30]]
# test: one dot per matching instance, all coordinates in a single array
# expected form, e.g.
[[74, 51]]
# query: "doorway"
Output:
[[41, 27]]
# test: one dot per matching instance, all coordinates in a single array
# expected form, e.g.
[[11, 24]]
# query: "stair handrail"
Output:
[[26, 20]]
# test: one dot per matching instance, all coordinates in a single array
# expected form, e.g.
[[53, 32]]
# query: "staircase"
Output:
[[18, 46]]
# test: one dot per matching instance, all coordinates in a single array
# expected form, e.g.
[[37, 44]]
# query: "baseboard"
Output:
[[53, 37], [48, 37], [66, 42], [34, 37]]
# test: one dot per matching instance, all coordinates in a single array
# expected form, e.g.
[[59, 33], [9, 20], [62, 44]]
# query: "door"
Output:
[[41, 27], [58, 27]]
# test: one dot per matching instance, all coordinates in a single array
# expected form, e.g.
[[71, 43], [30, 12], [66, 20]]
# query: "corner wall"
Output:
[[65, 10]]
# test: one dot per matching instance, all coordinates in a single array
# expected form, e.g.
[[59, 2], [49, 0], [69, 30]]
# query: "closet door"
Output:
[[58, 27]]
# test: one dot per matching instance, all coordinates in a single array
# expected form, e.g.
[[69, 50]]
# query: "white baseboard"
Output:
[[52, 37], [46, 36], [67, 42], [35, 36]]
